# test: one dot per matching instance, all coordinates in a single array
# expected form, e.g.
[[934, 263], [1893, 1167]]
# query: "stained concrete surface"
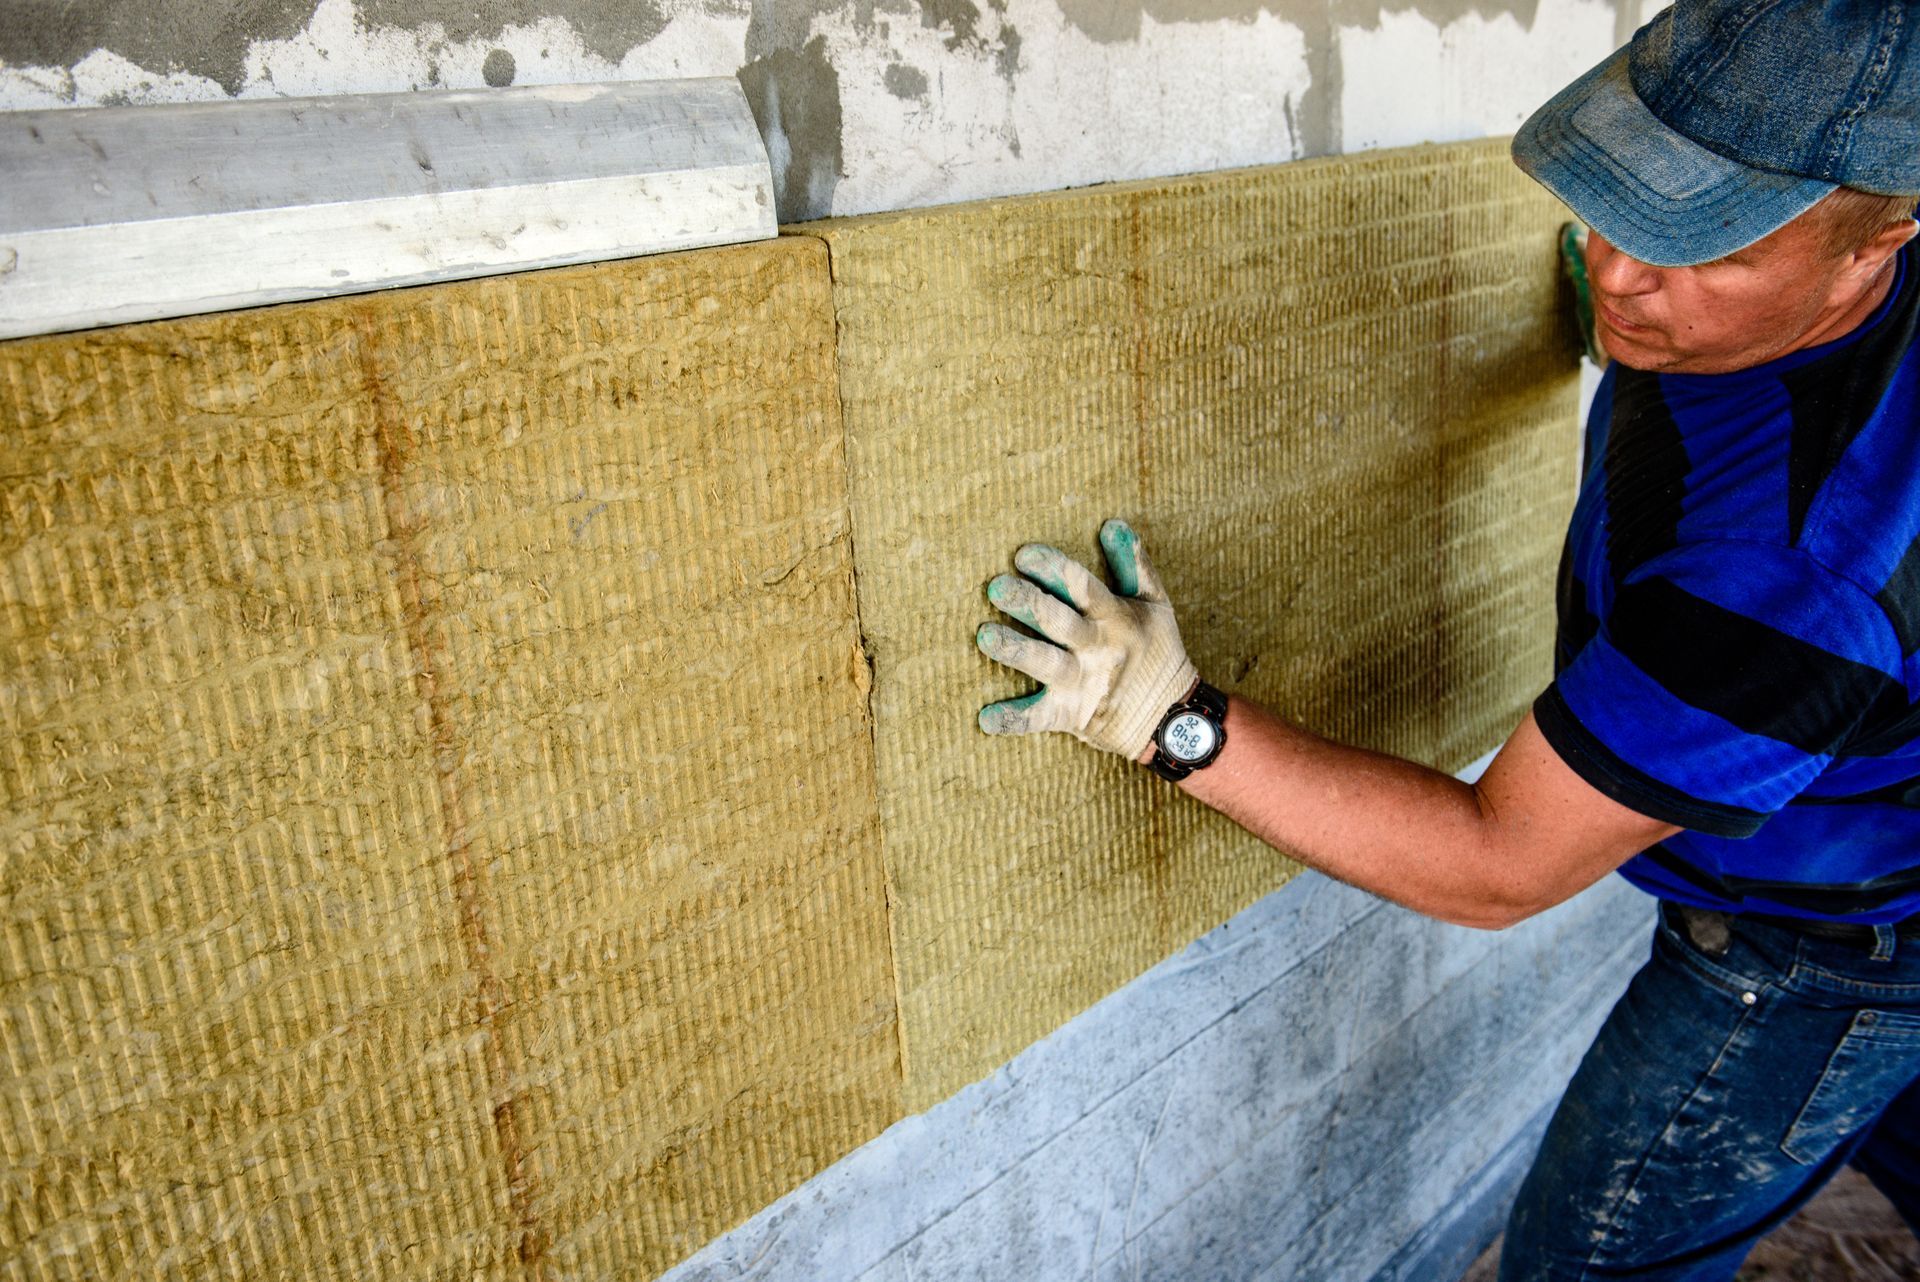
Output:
[[498, 69], [208, 39], [1107, 21], [795, 97], [211, 37], [873, 104], [608, 27]]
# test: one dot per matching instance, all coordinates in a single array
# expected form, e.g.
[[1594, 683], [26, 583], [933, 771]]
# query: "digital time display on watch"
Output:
[[1189, 737]]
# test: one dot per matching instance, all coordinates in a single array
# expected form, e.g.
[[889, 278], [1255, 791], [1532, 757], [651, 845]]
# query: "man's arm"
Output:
[[1528, 835]]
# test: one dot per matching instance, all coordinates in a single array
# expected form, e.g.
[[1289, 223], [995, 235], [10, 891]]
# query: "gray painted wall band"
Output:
[[118, 214]]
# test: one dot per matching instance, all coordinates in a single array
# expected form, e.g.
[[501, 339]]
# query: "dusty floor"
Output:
[[1848, 1234]]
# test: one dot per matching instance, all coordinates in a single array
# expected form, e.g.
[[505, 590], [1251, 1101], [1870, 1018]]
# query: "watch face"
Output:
[[1189, 737]]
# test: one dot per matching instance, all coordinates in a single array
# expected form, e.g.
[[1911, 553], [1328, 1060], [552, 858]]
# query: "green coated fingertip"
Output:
[[1009, 716], [1040, 563], [1012, 595], [1037, 552], [1122, 547], [1003, 588], [1573, 261]]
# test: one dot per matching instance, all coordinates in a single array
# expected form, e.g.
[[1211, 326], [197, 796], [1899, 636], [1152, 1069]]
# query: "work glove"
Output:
[[1110, 664], [1573, 263]]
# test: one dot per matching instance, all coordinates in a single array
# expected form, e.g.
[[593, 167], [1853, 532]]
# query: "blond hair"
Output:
[[1849, 217]]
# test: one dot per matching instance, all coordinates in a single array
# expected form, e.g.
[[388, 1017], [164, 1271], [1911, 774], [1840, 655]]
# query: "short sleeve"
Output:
[[1723, 678]]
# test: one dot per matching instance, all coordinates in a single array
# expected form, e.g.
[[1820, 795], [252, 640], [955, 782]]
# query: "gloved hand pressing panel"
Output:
[[1573, 263], [1110, 664]]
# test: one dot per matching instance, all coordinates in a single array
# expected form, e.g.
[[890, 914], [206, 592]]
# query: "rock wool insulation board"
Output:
[[1337, 399], [435, 793], [442, 831]]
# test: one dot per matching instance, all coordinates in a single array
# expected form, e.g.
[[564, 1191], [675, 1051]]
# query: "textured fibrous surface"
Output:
[[1336, 399], [439, 826], [442, 829]]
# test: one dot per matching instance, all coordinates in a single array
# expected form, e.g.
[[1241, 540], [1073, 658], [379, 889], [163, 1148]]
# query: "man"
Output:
[[1735, 719]]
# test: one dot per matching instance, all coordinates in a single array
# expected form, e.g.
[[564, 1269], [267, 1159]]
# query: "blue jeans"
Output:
[[1721, 1093]]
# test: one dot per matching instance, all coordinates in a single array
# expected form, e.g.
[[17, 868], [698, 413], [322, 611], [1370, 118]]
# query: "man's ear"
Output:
[[1873, 255]]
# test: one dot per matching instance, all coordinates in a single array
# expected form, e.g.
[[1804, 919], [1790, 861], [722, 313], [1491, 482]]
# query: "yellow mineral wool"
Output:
[[439, 822], [1337, 400]]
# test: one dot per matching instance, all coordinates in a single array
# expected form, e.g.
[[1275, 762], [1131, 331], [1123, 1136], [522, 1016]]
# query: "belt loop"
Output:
[[1883, 937]]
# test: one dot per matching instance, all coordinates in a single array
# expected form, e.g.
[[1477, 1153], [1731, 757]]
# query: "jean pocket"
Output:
[[1875, 1061], [1716, 971]]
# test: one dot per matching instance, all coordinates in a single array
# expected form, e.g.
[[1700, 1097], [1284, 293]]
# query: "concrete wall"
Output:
[[880, 104], [1325, 1087]]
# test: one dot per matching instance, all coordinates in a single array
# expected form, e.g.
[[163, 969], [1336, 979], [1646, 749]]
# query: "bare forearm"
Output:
[[1401, 830], [1110, 662]]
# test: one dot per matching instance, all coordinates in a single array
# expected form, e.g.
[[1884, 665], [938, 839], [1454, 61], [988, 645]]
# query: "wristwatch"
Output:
[[1191, 734]]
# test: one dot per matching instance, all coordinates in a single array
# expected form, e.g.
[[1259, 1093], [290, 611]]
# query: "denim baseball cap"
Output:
[[1722, 120]]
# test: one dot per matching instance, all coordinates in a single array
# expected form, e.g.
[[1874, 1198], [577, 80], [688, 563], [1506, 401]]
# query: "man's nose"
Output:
[[1618, 273]]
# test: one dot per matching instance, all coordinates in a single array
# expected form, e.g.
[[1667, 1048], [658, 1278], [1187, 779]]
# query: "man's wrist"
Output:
[[1189, 735], [1148, 753]]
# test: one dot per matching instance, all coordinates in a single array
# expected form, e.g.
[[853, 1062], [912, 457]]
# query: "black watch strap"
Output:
[[1209, 703]]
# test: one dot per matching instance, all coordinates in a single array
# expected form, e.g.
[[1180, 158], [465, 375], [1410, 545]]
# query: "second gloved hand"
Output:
[[1111, 663]]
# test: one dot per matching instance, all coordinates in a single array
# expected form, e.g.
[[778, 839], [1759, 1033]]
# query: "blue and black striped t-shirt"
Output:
[[1739, 643]]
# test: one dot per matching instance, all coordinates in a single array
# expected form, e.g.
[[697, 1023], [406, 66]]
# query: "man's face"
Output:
[[1781, 293]]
